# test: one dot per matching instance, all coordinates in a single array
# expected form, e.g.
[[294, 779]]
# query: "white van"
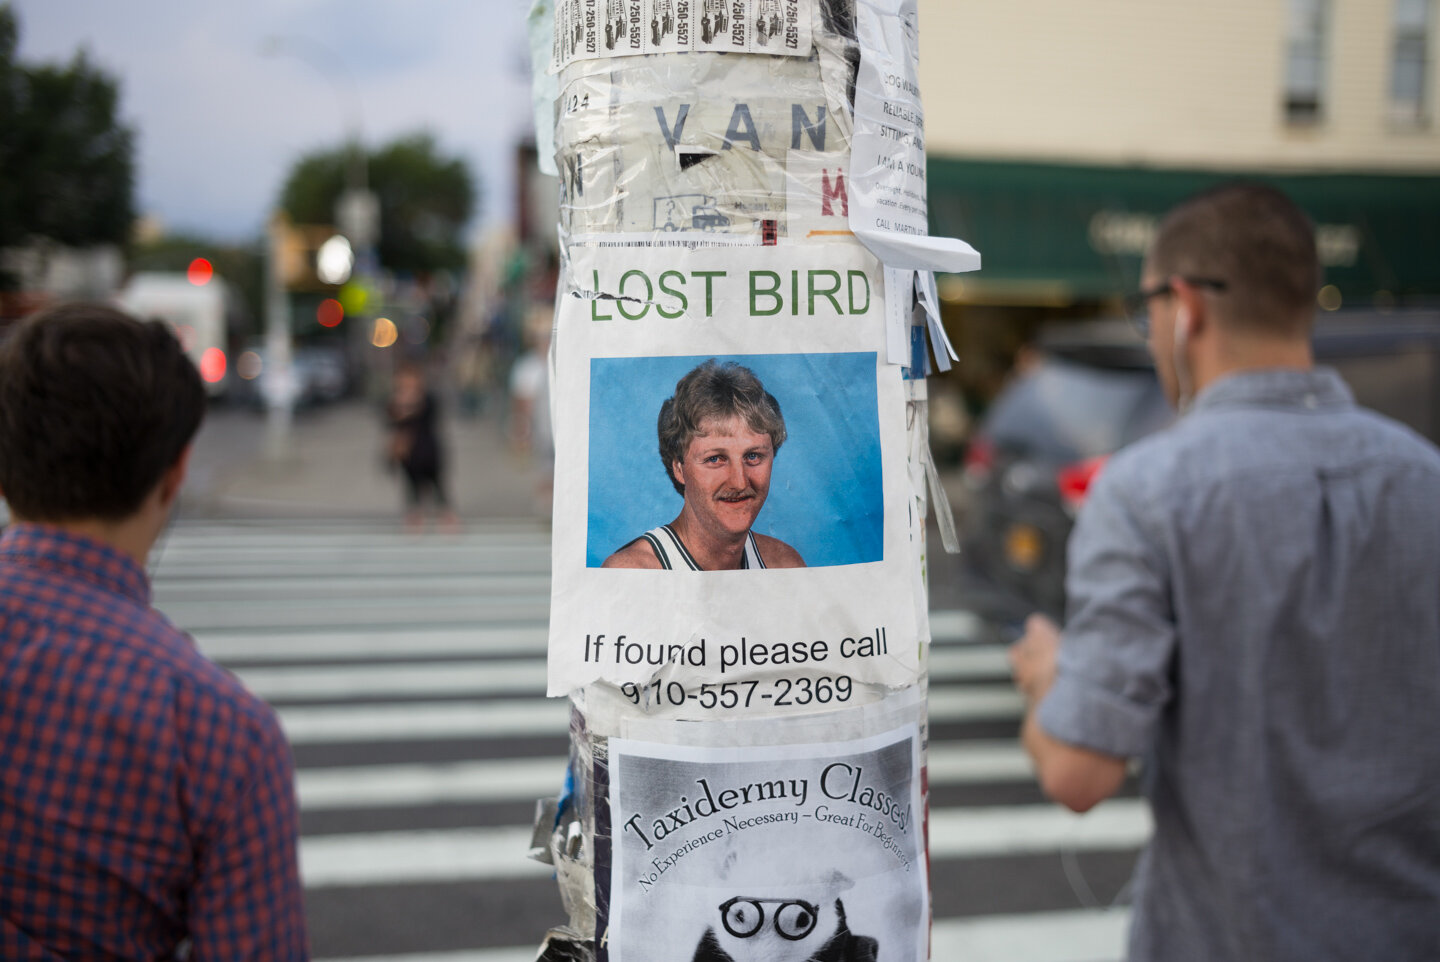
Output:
[[196, 312]]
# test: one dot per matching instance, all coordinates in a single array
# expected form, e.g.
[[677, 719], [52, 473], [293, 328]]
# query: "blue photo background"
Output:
[[826, 492]]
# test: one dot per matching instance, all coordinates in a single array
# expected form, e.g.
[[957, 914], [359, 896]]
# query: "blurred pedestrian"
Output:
[[474, 371], [415, 446], [1254, 610], [530, 428], [147, 801]]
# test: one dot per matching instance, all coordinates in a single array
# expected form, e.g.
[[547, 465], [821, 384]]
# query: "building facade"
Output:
[[1057, 132]]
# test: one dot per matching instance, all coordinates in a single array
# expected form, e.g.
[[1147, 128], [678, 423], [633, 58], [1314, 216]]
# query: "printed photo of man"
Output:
[[718, 436]]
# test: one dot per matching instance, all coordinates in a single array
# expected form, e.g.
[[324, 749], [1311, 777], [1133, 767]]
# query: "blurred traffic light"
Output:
[[249, 365], [200, 272], [385, 333], [330, 313], [356, 296], [297, 250], [212, 365], [334, 260]]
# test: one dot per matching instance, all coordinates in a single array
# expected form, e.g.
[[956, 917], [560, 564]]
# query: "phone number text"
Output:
[[739, 695]]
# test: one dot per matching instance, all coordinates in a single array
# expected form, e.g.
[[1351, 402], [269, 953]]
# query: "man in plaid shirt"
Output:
[[147, 802]]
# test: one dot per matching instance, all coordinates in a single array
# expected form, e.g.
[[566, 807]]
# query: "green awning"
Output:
[[1073, 232]]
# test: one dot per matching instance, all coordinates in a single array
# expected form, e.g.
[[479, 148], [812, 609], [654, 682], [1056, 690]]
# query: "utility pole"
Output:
[[741, 623], [279, 383], [357, 215]]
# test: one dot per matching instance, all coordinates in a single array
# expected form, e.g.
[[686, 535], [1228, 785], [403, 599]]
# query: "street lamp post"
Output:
[[357, 215], [279, 380], [329, 63]]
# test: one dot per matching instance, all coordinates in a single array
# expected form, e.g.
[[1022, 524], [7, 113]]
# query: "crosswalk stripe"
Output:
[[415, 720], [424, 720], [521, 676], [418, 642], [1096, 935], [1090, 935], [969, 659], [400, 569], [389, 858], [174, 555], [473, 854], [956, 763], [378, 786], [520, 953], [288, 535], [537, 603], [432, 678], [356, 612], [319, 557], [958, 703], [270, 590], [956, 624], [278, 645], [280, 541], [1120, 823], [524, 779]]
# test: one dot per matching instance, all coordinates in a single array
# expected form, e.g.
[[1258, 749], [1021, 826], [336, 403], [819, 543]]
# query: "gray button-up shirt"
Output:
[[1255, 609]]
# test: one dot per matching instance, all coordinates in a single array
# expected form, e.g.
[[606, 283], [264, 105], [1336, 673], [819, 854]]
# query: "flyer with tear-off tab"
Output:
[[593, 29]]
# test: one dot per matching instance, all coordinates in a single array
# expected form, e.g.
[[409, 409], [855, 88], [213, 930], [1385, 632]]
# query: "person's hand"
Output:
[[1032, 658]]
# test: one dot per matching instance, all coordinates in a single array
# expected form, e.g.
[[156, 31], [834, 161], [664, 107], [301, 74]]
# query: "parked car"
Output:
[[1092, 391], [320, 375]]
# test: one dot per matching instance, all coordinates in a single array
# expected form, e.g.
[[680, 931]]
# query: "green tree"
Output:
[[9, 101], [426, 200], [66, 162], [315, 184]]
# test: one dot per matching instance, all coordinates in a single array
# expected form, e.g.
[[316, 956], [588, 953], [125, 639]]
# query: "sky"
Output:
[[224, 97]]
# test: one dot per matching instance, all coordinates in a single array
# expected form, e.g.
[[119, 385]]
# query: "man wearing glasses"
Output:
[[1254, 611]]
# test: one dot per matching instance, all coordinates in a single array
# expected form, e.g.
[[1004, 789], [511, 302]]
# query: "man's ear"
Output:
[[1192, 316], [677, 473], [174, 477]]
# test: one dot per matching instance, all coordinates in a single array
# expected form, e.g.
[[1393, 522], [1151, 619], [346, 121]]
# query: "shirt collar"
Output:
[[1277, 387], [55, 549]]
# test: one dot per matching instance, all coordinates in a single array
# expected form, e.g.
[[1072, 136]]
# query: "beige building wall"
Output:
[[1169, 83]]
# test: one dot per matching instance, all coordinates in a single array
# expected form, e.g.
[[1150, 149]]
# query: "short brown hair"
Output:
[[1258, 242], [94, 407], [715, 390]]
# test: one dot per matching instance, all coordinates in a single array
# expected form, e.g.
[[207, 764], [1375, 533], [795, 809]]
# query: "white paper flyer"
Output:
[[732, 498], [887, 162], [645, 152], [756, 854]]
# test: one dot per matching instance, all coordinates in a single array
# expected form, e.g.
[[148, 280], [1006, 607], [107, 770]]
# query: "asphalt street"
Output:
[[330, 466], [408, 671]]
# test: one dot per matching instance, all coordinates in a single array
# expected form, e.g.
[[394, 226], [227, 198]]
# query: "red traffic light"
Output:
[[330, 313], [212, 365], [199, 272]]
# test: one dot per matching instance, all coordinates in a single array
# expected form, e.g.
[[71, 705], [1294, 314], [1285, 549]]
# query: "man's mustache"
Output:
[[736, 494]]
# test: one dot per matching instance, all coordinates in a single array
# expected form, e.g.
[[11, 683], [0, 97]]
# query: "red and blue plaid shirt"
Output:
[[146, 798]]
